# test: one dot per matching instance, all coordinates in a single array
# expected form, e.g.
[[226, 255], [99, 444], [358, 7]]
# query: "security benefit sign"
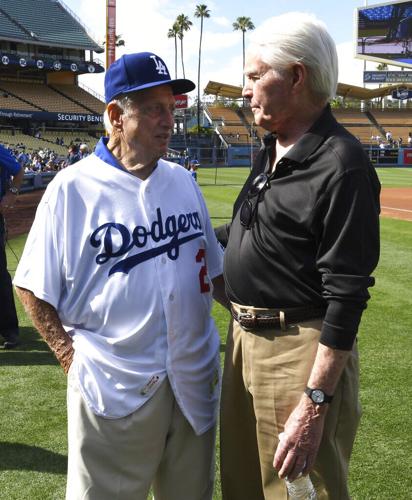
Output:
[[402, 93], [55, 117]]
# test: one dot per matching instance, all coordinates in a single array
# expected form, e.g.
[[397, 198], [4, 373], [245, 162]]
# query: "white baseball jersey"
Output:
[[128, 266]]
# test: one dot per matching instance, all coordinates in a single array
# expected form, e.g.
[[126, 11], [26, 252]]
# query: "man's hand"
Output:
[[297, 451], [299, 443]]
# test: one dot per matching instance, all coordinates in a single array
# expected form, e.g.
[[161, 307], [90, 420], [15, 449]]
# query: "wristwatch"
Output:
[[318, 396], [14, 190]]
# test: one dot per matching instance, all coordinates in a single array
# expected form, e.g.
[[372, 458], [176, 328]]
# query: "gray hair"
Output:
[[124, 102], [298, 37]]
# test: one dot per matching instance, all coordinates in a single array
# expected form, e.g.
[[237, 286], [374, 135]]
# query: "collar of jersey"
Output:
[[104, 154]]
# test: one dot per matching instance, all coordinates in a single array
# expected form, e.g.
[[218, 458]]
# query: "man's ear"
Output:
[[115, 114], [299, 75]]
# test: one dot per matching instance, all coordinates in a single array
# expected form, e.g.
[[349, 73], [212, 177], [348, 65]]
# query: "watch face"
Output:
[[318, 396]]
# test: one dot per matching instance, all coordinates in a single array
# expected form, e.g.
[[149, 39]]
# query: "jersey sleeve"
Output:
[[41, 265], [8, 161], [214, 250]]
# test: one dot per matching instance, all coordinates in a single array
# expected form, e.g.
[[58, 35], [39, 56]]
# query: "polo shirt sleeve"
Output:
[[41, 264], [348, 254]]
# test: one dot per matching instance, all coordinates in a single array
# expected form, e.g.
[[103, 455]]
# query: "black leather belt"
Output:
[[275, 319]]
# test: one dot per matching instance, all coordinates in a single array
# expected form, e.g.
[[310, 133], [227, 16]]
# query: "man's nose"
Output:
[[247, 90], [168, 119]]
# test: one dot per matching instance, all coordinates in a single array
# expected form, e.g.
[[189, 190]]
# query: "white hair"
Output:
[[298, 37], [124, 102], [107, 123]]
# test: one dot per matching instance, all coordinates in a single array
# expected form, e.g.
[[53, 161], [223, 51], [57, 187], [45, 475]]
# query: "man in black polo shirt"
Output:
[[300, 250]]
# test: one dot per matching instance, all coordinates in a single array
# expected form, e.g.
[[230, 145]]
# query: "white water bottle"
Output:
[[301, 488]]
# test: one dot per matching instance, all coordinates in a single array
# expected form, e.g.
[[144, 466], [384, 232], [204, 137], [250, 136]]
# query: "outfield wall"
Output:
[[36, 181], [241, 157]]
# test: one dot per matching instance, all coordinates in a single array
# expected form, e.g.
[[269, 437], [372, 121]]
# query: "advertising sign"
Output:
[[387, 76], [46, 116], [181, 101], [110, 32], [402, 94], [407, 156]]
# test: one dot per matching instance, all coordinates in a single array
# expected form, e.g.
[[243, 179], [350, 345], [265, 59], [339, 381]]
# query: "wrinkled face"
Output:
[[148, 121], [269, 93]]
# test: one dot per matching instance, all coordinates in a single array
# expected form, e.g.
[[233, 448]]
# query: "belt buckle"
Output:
[[249, 317]]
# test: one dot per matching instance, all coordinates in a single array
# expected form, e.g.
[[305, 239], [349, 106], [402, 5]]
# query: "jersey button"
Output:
[[163, 260], [171, 297]]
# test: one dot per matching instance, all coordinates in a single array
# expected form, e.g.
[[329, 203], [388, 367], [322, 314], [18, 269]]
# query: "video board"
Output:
[[384, 33]]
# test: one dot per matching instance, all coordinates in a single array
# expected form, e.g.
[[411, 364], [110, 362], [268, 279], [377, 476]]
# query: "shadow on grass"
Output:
[[17, 456], [31, 351], [34, 351]]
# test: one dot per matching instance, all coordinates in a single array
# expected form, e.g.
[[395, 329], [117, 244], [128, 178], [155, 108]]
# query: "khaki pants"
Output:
[[119, 459], [264, 376]]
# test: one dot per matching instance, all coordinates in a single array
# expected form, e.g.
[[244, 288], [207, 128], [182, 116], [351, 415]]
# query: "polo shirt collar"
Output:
[[313, 138]]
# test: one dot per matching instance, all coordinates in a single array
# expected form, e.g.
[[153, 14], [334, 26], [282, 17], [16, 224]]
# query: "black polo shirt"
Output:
[[315, 239]]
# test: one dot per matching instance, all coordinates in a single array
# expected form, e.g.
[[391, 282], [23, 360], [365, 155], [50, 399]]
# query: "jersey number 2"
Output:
[[200, 257]]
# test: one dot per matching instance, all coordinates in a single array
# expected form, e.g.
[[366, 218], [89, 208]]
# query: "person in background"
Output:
[[193, 166], [84, 150], [11, 177], [300, 250], [73, 155], [117, 275]]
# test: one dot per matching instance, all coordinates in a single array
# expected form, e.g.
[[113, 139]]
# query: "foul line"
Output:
[[398, 209]]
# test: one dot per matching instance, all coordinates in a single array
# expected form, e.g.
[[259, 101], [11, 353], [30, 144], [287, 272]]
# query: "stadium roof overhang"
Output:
[[65, 45], [344, 90], [223, 90]]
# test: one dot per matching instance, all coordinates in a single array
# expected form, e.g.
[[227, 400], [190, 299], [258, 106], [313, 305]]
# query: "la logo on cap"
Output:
[[160, 67], [140, 71]]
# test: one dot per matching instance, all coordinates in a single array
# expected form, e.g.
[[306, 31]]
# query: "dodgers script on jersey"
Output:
[[128, 266]]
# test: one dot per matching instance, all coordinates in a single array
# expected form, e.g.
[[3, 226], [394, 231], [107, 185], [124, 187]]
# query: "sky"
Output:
[[144, 26]]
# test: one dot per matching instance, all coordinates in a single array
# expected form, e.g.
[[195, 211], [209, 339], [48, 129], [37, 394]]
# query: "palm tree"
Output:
[[183, 23], [173, 33], [119, 42], [202, 12], [243, 24]]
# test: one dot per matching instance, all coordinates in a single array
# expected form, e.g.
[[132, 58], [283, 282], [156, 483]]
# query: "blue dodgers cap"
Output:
[[140, 71]]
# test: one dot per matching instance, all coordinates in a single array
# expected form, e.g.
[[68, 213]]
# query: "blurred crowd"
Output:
[[46, 159]]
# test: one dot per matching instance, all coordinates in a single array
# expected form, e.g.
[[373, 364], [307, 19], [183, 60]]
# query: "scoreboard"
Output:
[[383, 156]]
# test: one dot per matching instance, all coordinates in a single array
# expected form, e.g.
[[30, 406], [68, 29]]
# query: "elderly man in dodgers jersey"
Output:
[[117, 276]]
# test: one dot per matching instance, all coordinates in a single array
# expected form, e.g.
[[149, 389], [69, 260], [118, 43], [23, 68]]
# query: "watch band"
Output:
[[318, 396]]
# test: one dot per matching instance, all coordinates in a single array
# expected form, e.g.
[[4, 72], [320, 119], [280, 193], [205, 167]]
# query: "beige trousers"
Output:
[[264, 376], [119, 459]]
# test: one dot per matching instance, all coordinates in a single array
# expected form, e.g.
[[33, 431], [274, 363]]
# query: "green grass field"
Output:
[[33, 445]]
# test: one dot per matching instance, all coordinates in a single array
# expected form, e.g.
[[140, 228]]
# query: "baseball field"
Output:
[[33, 445]]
